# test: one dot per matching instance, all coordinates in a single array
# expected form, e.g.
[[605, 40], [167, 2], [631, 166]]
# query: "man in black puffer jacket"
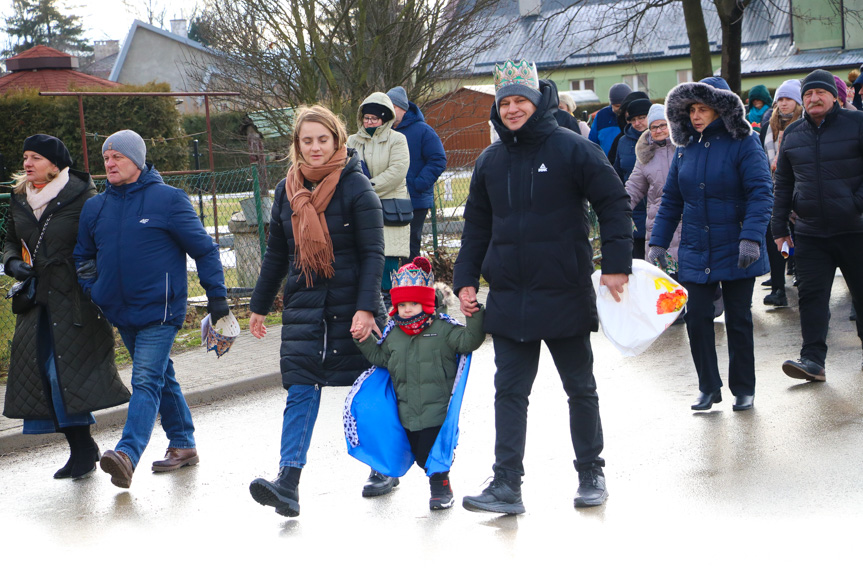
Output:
[[819, 175], [526, 231]]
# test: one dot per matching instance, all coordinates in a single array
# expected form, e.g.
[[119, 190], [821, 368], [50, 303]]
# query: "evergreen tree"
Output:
[[35, 22]]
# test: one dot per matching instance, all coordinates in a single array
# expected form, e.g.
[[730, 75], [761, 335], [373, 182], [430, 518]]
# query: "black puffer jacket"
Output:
[[83, 339], [526, 228], [316, 342], [819, 175]]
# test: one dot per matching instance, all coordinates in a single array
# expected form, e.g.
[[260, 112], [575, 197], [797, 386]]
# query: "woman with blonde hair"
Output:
[[326, 235], [62, 362]]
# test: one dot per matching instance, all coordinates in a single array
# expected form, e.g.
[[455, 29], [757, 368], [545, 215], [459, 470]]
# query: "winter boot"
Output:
[[776, 298], [85, 453], [591, 488], [441, 491], [499, 497], [379, 484], [281, 493]]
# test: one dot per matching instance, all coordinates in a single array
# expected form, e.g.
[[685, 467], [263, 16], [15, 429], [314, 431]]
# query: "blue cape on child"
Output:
[[374, 433]]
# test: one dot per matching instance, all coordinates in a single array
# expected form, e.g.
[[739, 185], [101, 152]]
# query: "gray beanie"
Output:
[[516, 78], [399, 98], [819, 79], [657, 112], [128, 143], [617, 93]]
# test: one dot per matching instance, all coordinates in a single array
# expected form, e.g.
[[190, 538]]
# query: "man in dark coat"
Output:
[[133, 242], [428, 161], [819, 175], [526, 231], [633, 117]]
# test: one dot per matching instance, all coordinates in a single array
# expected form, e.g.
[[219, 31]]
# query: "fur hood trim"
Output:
[[726, 103], [645, 148]]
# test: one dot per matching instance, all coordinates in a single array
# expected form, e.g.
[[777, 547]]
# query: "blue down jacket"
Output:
[[428, 159], [140, 234], [719, 182]]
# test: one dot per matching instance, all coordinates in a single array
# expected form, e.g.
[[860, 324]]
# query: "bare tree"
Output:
[[282, 53], [152, 12]]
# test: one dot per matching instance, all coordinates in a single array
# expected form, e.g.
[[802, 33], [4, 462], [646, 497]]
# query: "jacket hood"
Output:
[[646, 148], [727, 104], [412, 116], [538, 127], [383, 100], [149, 175], [760, 92]]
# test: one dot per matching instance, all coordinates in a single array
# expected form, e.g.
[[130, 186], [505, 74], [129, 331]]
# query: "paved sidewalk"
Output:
[[250, 365]]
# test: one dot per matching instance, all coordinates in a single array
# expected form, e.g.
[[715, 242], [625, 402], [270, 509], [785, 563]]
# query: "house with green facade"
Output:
[[592, 44]]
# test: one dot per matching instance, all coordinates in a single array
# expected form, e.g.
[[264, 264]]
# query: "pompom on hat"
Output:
[[414, 282], [516, 78]]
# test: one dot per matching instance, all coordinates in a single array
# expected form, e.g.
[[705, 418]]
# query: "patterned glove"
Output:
[[19, 269], [657, 257], [749, 253], [218, 308]]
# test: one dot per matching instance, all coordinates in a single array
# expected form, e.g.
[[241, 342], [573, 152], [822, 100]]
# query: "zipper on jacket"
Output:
[[167, 279], [818, 171]]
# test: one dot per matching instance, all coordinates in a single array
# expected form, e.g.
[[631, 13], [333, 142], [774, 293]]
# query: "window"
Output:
[[638, 82], [583, 84], [684, 76]]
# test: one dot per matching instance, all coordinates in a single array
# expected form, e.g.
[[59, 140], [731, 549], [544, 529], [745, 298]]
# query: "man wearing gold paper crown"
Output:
[[527, 232]]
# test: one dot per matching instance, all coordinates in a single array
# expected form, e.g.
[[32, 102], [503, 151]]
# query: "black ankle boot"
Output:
[[85, 452], [705, 401], [65, 472], [281, 493]]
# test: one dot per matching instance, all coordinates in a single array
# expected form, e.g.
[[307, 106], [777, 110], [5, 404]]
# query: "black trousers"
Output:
[[777, 263], [417, 232], [517, 364], [816, 260], [421, 443], [737, 296]]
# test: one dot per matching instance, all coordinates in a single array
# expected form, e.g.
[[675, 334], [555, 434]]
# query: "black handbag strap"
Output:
[[39, 241]]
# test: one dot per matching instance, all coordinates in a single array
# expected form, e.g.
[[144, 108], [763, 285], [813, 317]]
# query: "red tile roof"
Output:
[[51, 80], [40, 51]]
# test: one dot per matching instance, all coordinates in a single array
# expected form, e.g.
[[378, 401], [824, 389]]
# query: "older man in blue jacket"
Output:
[[428, 161], [131, 259]]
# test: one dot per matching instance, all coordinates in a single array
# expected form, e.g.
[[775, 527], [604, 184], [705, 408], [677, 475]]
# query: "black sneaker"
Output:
[[281, 493], [498, 497], [441, 494], [776, 298], [768, 282], [379, 484], [804, 369], [591, 488]]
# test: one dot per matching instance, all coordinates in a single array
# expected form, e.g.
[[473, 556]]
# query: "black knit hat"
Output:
[[819, 79], [379, 110], [50, 148], [637, 108]]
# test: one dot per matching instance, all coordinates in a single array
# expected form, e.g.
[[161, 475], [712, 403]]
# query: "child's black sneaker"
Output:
[[441, 494]]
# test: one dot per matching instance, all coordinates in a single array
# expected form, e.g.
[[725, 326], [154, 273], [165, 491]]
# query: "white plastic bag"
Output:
[[650, 302]]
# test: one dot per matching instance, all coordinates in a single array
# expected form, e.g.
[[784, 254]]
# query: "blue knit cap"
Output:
[[130, 144], [717, 82]]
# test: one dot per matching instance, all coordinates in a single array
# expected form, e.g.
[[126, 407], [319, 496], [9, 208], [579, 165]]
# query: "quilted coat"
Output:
[[83, 339], [317, 348], [423, 366], [387, 158], [819, 175], [526, 228], [719, 183], [647, 180]]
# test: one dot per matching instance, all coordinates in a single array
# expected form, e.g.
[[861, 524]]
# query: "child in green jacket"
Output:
[[421, 357]]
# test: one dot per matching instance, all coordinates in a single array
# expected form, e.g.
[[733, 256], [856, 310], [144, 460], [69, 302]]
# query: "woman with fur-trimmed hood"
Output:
[[720, 185]]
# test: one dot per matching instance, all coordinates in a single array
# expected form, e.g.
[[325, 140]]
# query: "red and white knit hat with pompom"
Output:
[[414, 282]]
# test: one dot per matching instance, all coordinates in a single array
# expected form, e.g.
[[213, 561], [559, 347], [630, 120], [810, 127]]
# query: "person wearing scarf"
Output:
[[326, 236]]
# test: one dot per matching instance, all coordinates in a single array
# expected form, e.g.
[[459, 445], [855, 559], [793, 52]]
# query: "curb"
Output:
[[13, 440]]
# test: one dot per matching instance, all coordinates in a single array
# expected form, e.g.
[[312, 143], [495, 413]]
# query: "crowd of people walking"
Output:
[[714, 191]]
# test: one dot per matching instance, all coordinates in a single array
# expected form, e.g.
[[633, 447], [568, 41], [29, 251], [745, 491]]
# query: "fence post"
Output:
[[434, 220], [259, 210]]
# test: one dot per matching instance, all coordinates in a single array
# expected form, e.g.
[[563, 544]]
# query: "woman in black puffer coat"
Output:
[[62, 360], [326, 235]]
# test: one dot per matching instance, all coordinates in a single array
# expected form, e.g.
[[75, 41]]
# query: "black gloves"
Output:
[[749, 253], [657, 256], [87, 270], [19, 269], [218, 308]]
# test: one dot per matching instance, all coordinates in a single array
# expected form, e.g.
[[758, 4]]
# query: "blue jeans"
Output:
[[154, 390], [298, 423]]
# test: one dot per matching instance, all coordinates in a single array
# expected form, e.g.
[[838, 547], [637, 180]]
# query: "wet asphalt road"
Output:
[[777, 489]]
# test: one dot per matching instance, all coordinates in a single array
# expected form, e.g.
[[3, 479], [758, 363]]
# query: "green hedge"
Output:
[[24, 113]]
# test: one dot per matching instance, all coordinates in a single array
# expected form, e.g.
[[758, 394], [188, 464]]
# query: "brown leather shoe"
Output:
[[118, 465], [175, 458]]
